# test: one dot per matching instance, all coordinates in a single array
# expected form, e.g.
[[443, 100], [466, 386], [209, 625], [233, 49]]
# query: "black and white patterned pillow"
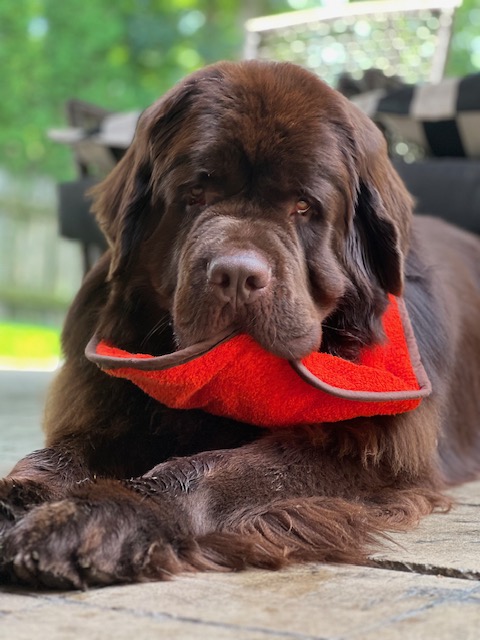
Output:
[[443, 118]]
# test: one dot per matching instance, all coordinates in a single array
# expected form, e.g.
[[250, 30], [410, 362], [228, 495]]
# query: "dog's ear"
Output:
[[124, 202], [378, 237]]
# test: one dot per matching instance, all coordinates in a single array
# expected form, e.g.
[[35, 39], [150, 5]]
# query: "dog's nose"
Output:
[[239, 277]]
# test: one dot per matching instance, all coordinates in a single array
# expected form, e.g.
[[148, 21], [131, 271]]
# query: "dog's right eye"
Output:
[[197, 196]]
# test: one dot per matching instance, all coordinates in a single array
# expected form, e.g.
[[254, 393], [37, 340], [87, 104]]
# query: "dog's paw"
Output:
[[75, 543]]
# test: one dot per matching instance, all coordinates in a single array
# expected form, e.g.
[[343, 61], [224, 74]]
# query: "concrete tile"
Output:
[[60, 620], [313, 601], [446, 544], [16, 602], [443, 620], [468, 493]]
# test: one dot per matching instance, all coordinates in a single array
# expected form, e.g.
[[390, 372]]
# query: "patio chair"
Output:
[[98, 139], [405, 38]]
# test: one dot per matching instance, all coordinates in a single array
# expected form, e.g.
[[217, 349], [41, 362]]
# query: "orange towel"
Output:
[[238, 379]]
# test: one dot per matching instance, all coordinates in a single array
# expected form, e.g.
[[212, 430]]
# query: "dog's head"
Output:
[[255, 196]]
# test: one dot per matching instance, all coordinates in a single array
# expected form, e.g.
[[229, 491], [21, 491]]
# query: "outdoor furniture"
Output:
[[445, 187], [98, 139], [404, 38]]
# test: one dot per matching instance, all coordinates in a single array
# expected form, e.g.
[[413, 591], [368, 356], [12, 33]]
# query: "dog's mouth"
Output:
[[294, 347]]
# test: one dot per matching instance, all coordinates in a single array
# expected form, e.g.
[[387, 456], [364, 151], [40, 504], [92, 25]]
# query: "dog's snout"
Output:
[[239, 277]]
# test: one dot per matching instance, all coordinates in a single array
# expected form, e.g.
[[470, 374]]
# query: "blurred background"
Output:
[[120, 55]]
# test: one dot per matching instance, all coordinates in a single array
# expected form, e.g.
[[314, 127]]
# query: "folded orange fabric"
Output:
[[238, 379]]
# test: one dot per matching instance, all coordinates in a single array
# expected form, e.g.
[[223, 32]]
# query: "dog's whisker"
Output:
[[347, 334], [158, 327]]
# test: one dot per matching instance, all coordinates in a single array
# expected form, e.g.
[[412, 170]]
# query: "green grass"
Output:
[[26, 346]]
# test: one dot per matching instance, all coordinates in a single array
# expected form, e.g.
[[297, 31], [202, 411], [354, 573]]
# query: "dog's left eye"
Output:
[[302, 208], [197, 196]]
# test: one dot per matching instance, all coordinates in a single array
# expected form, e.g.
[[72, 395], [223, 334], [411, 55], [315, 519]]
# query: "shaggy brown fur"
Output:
[[252, 195]]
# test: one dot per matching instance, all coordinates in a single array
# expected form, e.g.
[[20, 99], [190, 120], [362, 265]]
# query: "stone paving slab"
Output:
[[309, 602], [61, 620], [446, 544]]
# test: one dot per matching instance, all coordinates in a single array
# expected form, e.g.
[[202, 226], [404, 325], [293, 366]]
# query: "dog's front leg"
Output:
[[185, 514], [285, 497]]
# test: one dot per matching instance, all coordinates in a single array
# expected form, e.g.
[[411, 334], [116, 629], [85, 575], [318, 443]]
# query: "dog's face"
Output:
[[255, 197]]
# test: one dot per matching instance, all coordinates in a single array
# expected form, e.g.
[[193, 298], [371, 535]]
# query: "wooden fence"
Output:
[[39, 271]]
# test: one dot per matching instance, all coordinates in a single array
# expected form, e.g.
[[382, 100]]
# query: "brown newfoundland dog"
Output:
[[255, 197]]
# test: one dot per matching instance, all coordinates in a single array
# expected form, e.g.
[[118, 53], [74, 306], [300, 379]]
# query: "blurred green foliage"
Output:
[[122, 54], [465, 47]]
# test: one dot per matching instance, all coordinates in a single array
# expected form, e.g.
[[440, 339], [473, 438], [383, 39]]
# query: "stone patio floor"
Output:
[[424, 584]]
